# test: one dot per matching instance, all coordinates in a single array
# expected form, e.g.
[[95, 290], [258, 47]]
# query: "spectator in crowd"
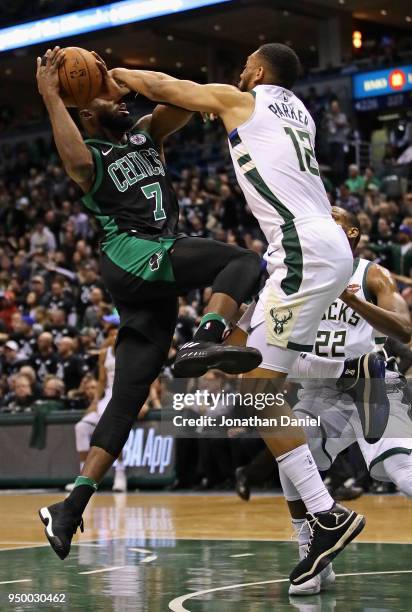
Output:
[[337, 137], [70, 367], [53, 387], [20, 399], [10, 362], [355, 182], [58, 326], [93, 313], [44, 359], [42, 239], [347, 200], [22, 333]]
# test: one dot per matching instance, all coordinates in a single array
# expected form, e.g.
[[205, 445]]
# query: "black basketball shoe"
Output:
[[364, 379], [331, 531], [61, 525], [242, 484], [196, 358]]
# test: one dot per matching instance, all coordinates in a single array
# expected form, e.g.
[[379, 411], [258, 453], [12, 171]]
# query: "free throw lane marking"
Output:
[[176, 605], [104, 569]]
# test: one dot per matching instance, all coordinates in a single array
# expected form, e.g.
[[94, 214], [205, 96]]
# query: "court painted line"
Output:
[[103, 569], [176, 605], [242, 555], [142, 550], [149, 559], [88, 544], [14, 581], [24, 547]]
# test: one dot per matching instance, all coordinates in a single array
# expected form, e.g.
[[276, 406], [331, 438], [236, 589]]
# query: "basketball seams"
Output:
[[80, 77], [89, 76]]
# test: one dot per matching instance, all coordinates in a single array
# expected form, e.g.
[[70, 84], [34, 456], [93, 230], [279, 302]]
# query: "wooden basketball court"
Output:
[[158, 552]]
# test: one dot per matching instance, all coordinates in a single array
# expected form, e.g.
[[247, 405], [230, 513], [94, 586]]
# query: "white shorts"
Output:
[[306, 276], [340, 427]]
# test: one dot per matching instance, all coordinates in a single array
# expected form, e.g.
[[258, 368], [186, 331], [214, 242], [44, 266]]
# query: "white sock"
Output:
[[308, 365], [300, 467], [399, 469], [81, 465]]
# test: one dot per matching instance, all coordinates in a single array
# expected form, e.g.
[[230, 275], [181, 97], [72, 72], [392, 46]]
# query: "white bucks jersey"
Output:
[[342, 332], [274, 159]]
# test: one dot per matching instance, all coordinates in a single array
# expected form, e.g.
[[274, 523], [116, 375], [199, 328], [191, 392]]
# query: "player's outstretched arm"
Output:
[[213, 98], [76, 157], [390, 315], [164, 121]]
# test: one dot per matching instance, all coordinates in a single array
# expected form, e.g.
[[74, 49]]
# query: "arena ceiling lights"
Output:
[[89, 20]]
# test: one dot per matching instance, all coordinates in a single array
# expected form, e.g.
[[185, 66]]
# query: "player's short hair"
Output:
[[283, 63]]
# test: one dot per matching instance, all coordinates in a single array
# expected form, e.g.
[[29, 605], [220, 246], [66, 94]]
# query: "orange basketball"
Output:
[[80, 77]]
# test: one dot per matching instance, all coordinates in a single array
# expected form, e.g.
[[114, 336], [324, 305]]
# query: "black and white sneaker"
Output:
[[61, 525], [331, 531], [242, 484], [196, 358], [364, 379]]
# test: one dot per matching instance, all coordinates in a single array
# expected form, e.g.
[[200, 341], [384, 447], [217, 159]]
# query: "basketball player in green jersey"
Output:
[[145, 265]]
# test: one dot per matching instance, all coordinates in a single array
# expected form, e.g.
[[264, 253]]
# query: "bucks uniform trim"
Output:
[[290, 240], [397, 450]]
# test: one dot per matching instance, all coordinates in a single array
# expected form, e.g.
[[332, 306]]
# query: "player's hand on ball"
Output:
[[48, 71], [111, 88]]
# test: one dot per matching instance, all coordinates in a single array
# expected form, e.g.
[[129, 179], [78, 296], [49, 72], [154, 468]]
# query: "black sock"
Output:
[[211, 328], [79, 498]]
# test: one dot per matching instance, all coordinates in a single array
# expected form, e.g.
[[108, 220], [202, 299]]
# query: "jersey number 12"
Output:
[[304, 150]]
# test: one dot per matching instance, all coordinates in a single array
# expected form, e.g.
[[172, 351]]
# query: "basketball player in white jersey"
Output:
[[85, 427], [353, 325], [271, 140]]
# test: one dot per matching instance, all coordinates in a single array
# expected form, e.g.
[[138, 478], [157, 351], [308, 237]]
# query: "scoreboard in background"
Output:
[[382, 89]]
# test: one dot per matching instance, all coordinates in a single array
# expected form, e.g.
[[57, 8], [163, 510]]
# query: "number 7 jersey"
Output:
[[275, 164], [132, 191]]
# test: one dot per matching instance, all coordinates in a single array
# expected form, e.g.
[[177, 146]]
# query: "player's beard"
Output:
[[116, 123]]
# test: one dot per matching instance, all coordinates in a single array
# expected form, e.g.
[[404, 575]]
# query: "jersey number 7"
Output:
[[155, 191]]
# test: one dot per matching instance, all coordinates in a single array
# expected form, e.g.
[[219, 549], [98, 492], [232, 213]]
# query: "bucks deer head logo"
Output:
[[280, 320]]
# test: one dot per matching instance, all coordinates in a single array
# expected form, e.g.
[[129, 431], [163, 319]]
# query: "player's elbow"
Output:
[[406, 334]]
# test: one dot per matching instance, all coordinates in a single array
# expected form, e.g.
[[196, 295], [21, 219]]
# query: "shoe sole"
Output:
[[328, 555], [54, 540], [231, 360], [367, 410], [324, 585]]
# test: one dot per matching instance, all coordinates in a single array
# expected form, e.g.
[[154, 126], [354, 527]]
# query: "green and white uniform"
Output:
[[345, 334], [308, 258]]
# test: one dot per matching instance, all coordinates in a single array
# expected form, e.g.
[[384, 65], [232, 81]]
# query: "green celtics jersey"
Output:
[[132, 191]]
